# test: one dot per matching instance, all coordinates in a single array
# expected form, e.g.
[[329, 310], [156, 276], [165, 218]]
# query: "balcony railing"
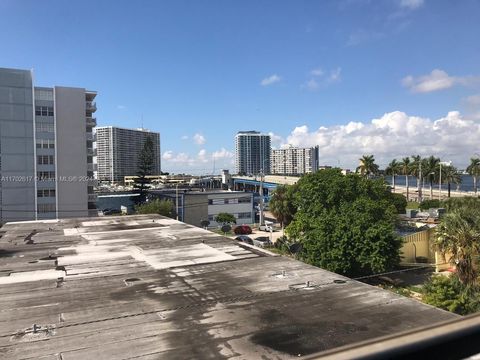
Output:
[[91, 121], [91, 106]]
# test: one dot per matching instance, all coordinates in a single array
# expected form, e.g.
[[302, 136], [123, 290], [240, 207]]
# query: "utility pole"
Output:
[[176, 199], [261, 197], [420, 183]]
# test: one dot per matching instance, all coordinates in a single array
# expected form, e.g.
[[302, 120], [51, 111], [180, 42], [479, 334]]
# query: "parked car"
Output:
[[262, 242], [266, 227], [242, 230], [245, 239]]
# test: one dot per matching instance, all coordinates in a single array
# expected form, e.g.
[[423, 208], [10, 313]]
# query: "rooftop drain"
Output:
[[280, 275], [131, 281], [35, 333], [308, 285], [338, 281]]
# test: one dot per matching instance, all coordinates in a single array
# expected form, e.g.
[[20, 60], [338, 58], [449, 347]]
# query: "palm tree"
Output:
[[458, 234], [281, 205], [450, 175], [415, 167], [430, 167], [393, 169], [474, 170], [367, 166], [405, 165]]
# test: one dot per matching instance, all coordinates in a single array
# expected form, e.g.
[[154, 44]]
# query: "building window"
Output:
[[244, 200], [244, 215], [211, 217], [45, 144], [45, 160], [46, 193], [45, 175], [44, 127], [45, 208], [43, 110]]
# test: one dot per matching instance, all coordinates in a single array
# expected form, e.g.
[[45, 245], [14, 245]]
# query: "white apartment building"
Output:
[[252, 153], [46, 149], [118, 150], [294, 161]]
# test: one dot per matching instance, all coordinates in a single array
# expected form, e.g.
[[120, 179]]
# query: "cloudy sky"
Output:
[[390, 78]]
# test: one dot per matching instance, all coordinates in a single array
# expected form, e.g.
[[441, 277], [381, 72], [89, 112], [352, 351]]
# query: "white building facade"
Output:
[[46, 149], [294, 161]]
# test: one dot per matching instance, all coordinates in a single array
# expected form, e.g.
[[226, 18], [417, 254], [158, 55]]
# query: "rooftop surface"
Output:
[[148, 287]]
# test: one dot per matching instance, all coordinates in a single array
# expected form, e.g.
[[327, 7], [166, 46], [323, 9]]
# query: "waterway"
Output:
[[465, 185]]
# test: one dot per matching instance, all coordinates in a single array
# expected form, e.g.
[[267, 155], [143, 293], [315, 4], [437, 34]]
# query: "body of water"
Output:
[[465, 185]]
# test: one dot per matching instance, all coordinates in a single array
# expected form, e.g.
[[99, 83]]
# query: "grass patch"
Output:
[[413, 205]]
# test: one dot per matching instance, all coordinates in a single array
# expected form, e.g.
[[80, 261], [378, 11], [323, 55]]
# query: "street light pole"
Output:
[[176, 199], [440, 184], [261, 197], [420, 183]]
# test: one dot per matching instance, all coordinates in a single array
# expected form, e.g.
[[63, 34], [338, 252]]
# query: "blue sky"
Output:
[[391, 77]]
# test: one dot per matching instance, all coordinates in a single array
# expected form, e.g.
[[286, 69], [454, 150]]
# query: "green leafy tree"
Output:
[[400, 203], [393, 169], [281, 204], [367, 166], [458, 235], [145, 168], [450, 175], [448, 293], [428, 204], [345, 223], [225, 218], [405, 166], [157, 206], [474, 170]]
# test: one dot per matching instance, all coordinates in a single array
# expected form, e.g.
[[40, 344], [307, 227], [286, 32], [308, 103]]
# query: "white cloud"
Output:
[[362, 36], [199, 139], [222, 154], [411, 4], [317, 72], [202, 156], [270, 80], [167, 155], [311, 84], [335, 75], [473, 100], [184, 137], [394, 135], [437, 80], [202, 163], [276, 140], [121, 107]]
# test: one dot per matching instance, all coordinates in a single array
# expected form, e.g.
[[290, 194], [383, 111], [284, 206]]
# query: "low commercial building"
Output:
[[149, 287], [196, 206]]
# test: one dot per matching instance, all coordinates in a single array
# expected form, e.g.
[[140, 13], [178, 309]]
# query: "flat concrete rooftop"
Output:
[[148, 287]]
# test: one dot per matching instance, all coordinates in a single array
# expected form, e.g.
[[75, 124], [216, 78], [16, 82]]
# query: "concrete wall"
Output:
[[421, 244], [17, 171], [196, 208], [70, 118]]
